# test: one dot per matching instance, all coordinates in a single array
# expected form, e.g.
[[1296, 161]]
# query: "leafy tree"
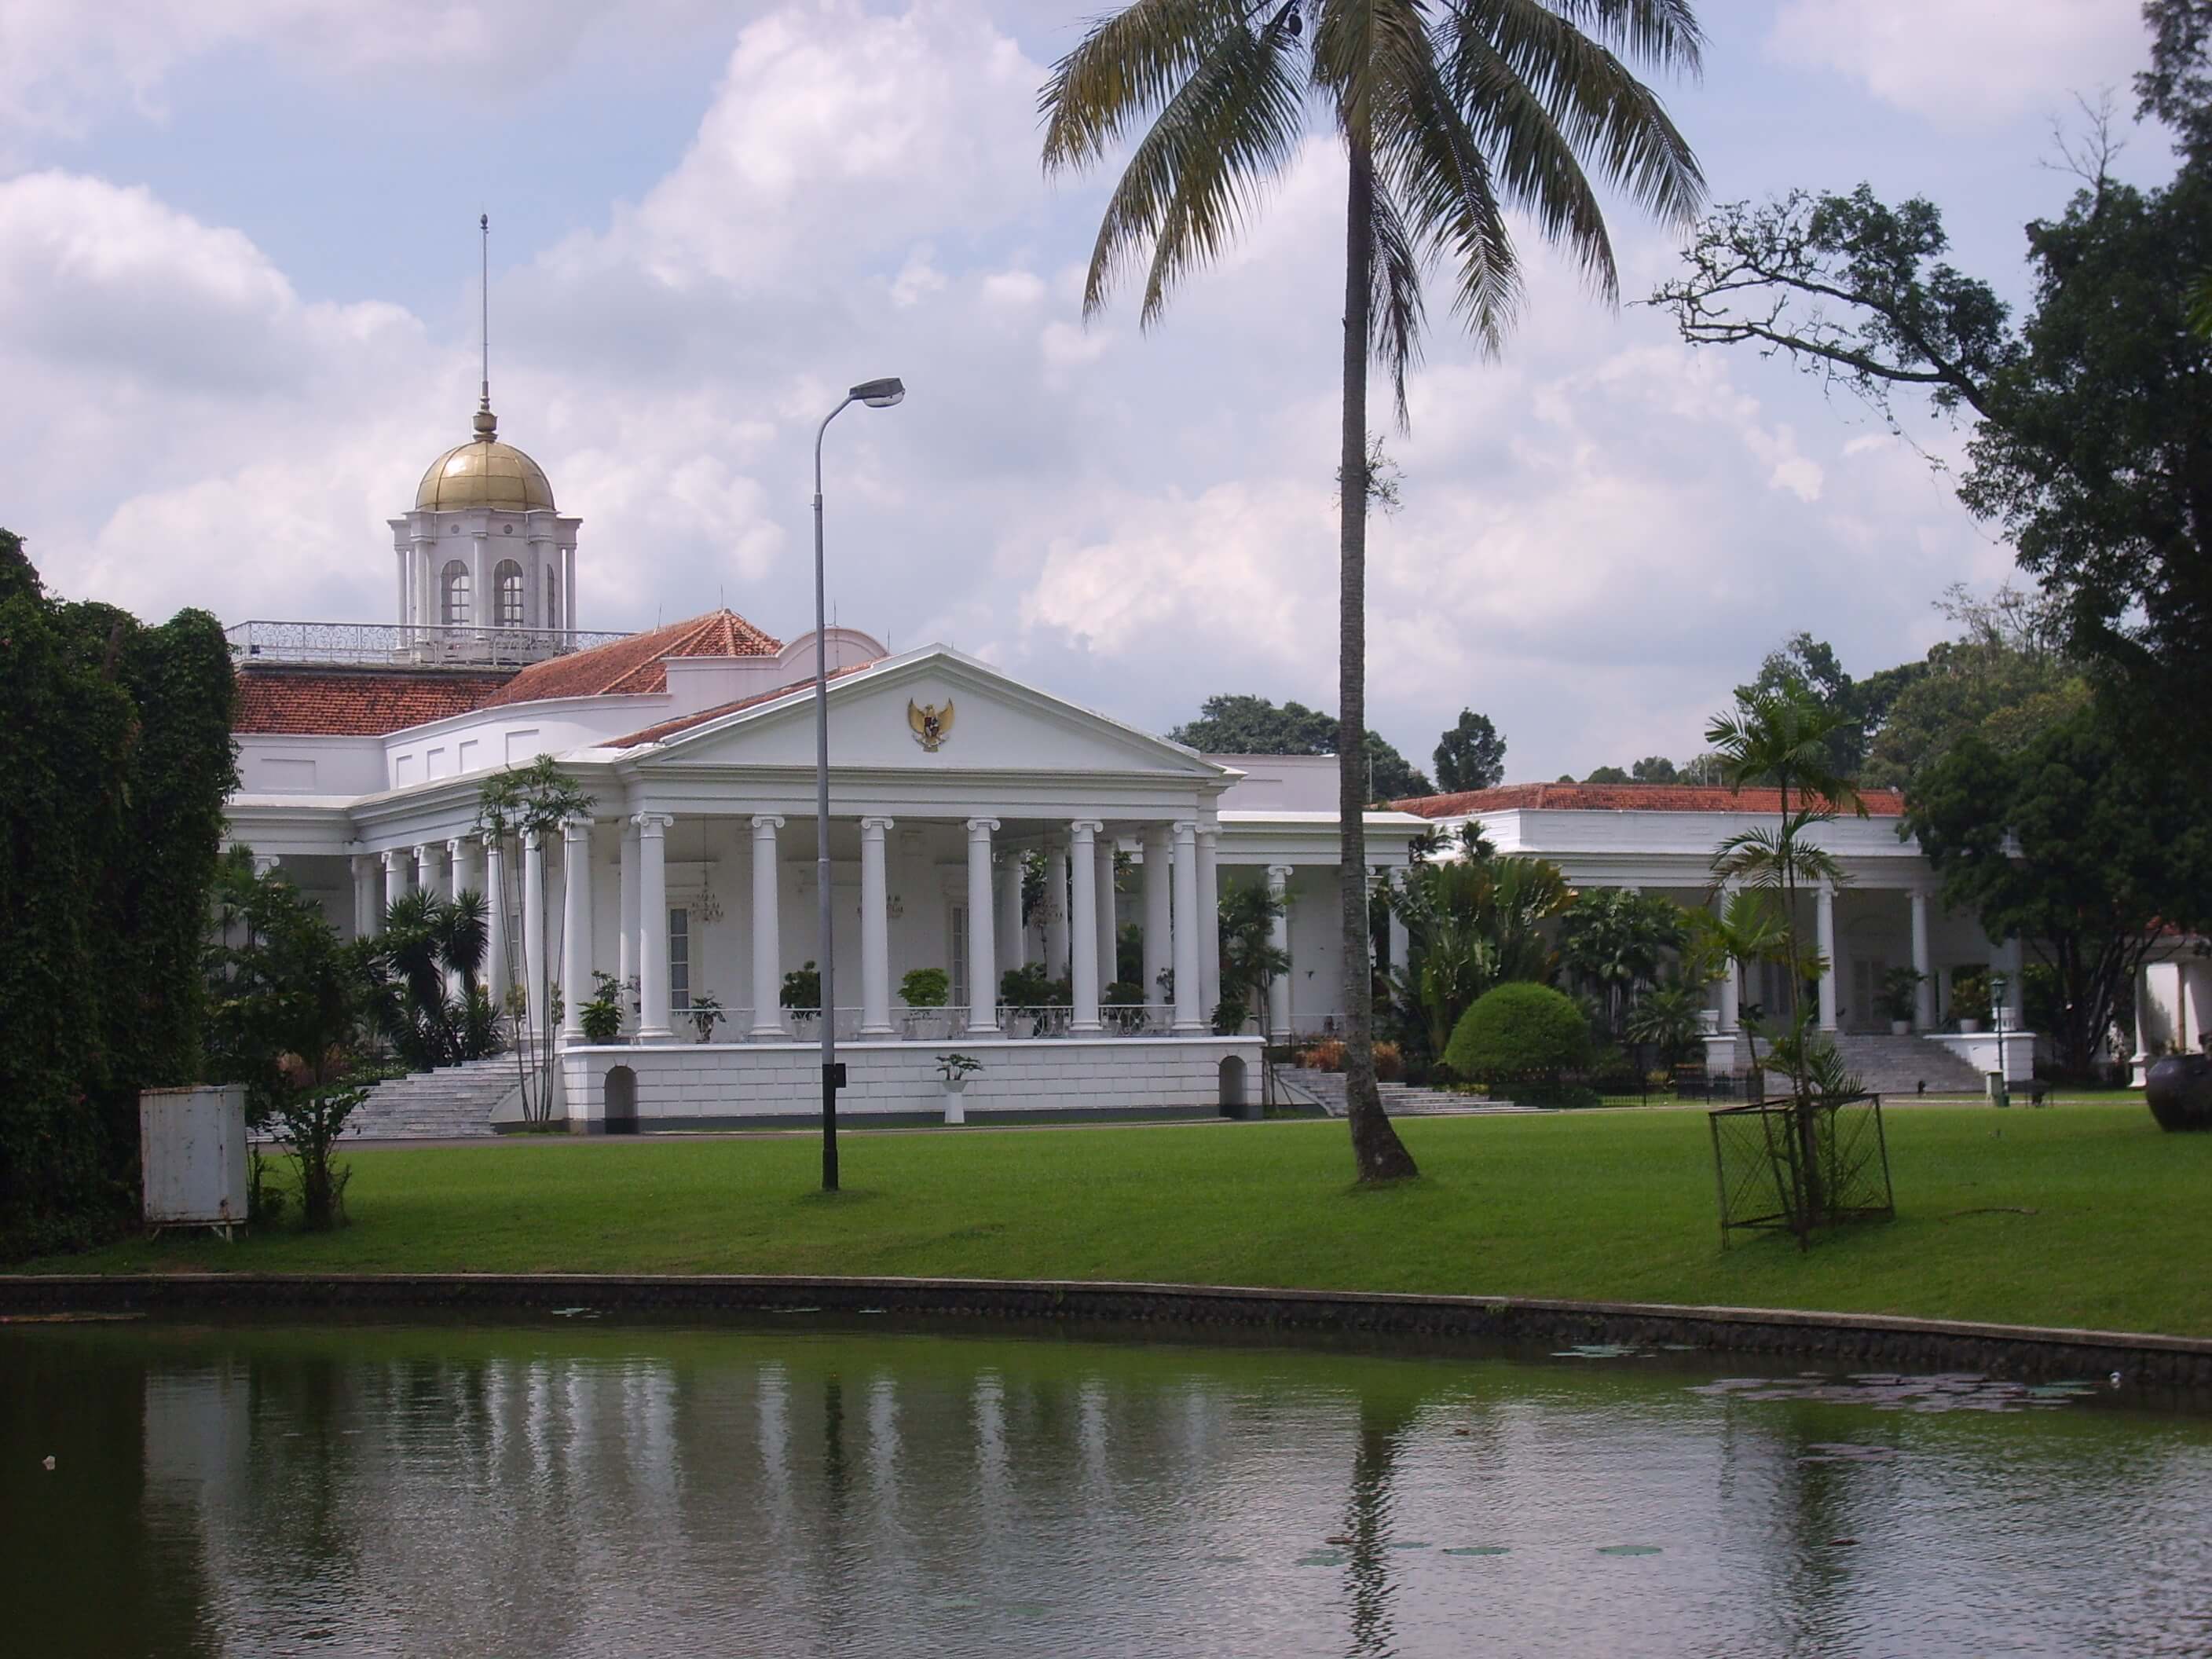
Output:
[[2089, 412], [1784, 738], [512, 805], [426, 995], [1450, 112], [2008, 679], [1654, 768], [1604, 774], [1860, 706], [1670, 1018], [926, 988], [287, 1001], [117, 756], [1471, 756], [1613, 943], [1238, 725], [2106, 849], [1706, 769], [1470, 924]]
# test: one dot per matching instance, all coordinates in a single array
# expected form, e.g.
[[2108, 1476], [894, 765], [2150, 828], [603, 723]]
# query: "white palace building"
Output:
[[362, 750], [363, 747]]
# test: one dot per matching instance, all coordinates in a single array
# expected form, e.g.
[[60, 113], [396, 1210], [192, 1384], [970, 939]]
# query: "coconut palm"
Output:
[[1451, 113]]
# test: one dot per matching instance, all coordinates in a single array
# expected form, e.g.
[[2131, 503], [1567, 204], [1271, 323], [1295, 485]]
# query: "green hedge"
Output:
[[1516, 1029]]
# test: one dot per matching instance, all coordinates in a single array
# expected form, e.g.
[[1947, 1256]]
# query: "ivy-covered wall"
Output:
[[115, 759]]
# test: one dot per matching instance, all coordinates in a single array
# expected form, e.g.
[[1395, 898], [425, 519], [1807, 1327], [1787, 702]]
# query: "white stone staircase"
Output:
[[451, 1103], [1895, 1067], [1326, 1091]]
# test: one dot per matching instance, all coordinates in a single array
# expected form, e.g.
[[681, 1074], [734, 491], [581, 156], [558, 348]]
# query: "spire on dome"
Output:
[[486, 422]]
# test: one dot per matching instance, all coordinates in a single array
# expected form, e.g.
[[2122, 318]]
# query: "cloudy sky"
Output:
[[238, 319]]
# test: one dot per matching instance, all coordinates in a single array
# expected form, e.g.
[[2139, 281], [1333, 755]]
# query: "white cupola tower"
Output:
[[485, 550], [487, 566]]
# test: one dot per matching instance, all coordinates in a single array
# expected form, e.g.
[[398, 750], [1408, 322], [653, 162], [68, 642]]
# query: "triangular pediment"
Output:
[[929, 710]]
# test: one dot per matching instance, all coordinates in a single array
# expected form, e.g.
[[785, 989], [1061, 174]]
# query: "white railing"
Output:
[[405, 644], [948, 1024]]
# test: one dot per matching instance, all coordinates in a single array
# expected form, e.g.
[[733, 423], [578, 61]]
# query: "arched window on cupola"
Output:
[[454, 593], [507, 580]]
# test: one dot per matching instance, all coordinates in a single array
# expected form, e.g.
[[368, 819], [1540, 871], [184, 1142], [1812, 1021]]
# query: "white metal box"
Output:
[[191, 1155]]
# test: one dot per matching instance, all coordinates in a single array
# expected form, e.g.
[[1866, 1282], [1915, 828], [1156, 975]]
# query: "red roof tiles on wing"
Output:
[[361, 703], [1622, 797], [635, 665]]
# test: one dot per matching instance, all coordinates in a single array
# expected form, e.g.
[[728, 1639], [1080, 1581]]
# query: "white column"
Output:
[[420, 878], [1731, 981], [364, 895], [767, 935], [626, 956], [1188, 1014], [652, 929], [533, 931], [982, 950], [1209, 920], [1102, 877], [495, 976], [1923, 964], [400, 555], [575, 926], [875, 933], [568, 587], [1279, 988], [1055, 909], [1082, 945], [395, 882], [1010, 938], [1400, 944], [1159, 912], [1823, 922]]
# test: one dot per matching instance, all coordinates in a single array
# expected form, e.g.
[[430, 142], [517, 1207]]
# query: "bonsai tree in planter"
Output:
[[926, 988], [602, 1017], [1899, 998], [705, 1014], [953, 1072], [1970, 997]]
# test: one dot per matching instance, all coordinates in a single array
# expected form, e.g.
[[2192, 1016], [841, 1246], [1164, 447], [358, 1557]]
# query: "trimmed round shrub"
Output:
[[1518, 1029]]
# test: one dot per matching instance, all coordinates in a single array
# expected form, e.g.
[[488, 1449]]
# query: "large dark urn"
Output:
[[2179, 1089]]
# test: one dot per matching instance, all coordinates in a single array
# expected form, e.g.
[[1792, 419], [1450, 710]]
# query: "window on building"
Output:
[[507, 581], [680, 959], [454, 593], [959, 956], [552, 598]]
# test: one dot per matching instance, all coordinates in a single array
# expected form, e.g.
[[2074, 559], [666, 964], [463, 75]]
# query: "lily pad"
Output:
[[1628, 1549], [1480, 1549], [1321, 1559]]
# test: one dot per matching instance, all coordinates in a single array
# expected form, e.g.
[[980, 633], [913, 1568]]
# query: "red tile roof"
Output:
[[362, 702], [634, 664], [1622, 797], [683, 723]]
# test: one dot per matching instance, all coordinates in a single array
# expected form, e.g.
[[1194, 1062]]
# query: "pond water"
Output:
[[597, 1488]]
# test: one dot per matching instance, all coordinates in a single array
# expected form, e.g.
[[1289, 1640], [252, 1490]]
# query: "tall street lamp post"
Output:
[[876, 394]]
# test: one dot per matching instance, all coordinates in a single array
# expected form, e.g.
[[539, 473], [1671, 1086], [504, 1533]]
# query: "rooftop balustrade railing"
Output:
[[406, 645]]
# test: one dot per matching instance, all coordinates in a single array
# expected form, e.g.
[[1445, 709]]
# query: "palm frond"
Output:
[[1436, 165], [1228, 131], [1394, 318], [1545, 98], [1662, 32], [1128, 66]]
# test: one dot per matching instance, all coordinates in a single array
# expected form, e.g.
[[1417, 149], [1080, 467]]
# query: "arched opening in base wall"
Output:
[[1233, 1092], [621, 1101]]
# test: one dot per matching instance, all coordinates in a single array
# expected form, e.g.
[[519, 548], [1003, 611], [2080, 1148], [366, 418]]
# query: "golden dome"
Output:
[[485, 472]]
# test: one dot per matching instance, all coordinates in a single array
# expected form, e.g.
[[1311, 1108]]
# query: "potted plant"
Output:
[[953, 1072], [926, 988], [602, 1017], [1970, 998], [1899, 998], [705, 1014]]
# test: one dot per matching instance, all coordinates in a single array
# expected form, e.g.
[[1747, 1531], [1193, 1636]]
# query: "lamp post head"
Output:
[[879, 394]]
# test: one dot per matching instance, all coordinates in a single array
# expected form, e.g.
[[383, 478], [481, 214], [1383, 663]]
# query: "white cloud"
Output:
[[1959, 61]]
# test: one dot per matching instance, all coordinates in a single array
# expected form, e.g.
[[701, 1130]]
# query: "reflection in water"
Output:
[[610, 1490]]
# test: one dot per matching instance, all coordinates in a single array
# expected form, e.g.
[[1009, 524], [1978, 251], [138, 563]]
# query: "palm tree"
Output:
[[1451, 112], [1470, 924], [1613, 940]]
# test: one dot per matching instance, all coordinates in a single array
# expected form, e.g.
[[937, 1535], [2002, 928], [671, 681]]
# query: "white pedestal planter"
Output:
[[956, 1110]]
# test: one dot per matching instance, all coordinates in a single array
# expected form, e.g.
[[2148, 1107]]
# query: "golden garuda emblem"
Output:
[[932, 725]]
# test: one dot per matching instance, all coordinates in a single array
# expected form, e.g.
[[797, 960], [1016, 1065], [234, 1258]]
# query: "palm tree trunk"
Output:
[[1376, 1149]]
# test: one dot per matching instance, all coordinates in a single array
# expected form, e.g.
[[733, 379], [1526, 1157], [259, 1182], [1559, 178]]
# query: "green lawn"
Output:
[[2074, 1215]]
